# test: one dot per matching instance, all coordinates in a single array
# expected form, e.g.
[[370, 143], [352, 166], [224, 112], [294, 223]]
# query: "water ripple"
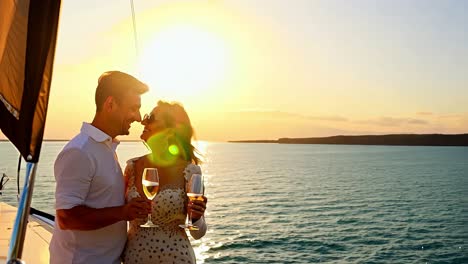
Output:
[[273, 203]]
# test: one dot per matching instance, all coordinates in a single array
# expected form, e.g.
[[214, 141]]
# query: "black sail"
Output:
[[28, 33]]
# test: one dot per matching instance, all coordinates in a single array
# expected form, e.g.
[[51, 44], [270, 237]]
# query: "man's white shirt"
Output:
[[87, 172]]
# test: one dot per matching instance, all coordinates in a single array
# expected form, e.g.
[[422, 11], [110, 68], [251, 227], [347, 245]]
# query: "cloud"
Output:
[[327, 118], [453, 116], [273, 124], [392, 121], [425, 113], [274, 114], [267, 124], [417, 121]]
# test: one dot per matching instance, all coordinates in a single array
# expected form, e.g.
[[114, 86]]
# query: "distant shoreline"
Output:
[[387, 140]]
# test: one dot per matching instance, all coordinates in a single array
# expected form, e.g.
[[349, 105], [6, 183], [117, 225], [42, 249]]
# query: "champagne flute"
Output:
[[150, 184], [195, 190]]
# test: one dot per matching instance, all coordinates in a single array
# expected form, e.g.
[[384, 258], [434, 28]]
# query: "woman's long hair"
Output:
[[179, 129]]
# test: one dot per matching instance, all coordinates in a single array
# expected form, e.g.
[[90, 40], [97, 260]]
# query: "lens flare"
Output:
[[162, 153], [174, 150]]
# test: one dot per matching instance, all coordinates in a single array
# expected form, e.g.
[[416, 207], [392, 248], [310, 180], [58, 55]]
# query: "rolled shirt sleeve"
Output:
[[73, 174]]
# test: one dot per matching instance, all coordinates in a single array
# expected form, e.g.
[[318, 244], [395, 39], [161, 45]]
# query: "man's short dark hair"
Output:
[[117, 84]]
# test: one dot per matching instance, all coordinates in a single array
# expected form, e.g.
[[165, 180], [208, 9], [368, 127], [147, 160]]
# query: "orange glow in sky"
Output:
[[250, 69]]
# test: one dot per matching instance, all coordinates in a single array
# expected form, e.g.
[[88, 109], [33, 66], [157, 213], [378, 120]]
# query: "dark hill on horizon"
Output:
[[391, 139]]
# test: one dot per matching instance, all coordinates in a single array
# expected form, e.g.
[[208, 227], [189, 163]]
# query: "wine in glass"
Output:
[[194, 192], [150, 184]]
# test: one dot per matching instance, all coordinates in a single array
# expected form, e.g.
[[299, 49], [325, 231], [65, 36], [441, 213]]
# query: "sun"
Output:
[[183, 60]]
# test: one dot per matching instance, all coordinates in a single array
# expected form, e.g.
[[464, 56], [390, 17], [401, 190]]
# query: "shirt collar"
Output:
[[99, 136], [115, 143]]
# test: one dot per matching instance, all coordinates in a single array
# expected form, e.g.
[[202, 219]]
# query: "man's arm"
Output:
[[74, 173], [85, 218]]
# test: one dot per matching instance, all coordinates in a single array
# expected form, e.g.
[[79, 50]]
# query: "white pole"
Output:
[[19, 229]]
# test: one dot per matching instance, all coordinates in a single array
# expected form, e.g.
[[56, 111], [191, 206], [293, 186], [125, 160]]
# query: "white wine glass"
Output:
[[150, 184], [195, 191]]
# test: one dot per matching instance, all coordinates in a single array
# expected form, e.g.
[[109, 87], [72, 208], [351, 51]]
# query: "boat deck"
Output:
[[36, 244]]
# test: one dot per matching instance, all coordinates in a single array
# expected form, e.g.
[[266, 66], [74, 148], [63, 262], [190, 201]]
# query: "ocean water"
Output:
[[274, 203]]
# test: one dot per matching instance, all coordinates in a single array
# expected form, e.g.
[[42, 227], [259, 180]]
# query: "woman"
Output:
[[168, 133]]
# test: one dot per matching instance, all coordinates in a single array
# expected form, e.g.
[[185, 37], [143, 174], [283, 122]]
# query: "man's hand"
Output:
[[136, 208]]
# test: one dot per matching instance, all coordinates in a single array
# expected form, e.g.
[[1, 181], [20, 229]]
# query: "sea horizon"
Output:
[[297, 140]]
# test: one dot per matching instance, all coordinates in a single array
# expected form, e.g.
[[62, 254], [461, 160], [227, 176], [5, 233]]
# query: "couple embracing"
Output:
[[95, 199]]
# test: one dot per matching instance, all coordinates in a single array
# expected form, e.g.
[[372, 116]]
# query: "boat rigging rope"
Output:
[[134, 28], [17, 178], [3, 182]]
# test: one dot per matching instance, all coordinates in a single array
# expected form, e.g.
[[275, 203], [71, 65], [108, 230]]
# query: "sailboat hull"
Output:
[[36, 243]]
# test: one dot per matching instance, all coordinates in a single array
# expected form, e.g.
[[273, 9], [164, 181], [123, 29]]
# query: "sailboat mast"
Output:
[[135, 37]]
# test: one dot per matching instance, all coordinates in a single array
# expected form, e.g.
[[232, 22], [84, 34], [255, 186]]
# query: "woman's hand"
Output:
[[197, 208]]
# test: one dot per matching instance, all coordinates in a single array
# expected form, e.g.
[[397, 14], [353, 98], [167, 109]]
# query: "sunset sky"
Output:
[[251, 69]]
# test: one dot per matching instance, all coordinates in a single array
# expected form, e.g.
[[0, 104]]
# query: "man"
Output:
[[91, 213]]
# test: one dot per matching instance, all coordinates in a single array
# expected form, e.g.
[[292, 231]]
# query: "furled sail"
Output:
[[28, 33]]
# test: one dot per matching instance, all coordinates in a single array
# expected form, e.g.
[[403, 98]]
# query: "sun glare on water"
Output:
[[183, 60]]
